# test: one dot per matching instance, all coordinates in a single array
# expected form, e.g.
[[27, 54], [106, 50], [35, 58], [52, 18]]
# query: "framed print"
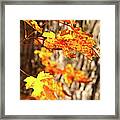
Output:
[[60, 59]]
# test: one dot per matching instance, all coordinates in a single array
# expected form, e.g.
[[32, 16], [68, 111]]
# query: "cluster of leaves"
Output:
[[70, 41], [44, 86]]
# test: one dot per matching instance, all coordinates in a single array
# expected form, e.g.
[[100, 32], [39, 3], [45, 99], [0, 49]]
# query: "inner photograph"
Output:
[[59, 59]]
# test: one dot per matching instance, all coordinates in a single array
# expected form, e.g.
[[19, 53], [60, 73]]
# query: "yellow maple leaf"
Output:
[[42, 76], [30, 81], [38, 83], [37, 52], [49, 34], [43, 53], [38, 88]]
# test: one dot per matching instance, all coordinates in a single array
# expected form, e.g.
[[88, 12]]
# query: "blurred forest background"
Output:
[[29, 65]]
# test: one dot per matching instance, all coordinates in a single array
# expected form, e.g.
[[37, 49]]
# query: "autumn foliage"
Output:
[[70, 41]]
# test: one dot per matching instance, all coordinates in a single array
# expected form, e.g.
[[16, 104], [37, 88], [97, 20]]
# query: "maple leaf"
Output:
[[38, 83], [38, 88], [43, 53], [49, 34], [29, 82], [43, 75]]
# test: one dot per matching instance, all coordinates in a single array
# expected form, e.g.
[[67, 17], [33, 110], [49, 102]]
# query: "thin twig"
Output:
[[27, 36], [24, 72]]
